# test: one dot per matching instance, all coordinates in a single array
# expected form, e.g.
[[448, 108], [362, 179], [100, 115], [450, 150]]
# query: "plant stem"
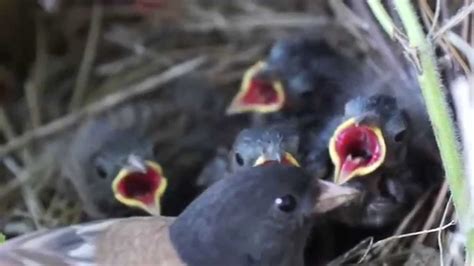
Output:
[[438, 108], [438, 111], [382, 16]]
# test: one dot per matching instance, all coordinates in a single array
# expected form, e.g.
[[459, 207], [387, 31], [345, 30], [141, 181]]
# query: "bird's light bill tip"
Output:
[[260, 160], [332, 196], [286, 159]]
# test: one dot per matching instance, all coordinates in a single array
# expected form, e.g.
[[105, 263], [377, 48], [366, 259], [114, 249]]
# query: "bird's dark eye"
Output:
[[155, 150], [286, 203], [400, 136], [101, 172], [239, 159]]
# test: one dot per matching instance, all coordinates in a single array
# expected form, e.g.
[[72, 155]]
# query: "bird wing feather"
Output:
[[72, 245], [147, 236], [107, 242]]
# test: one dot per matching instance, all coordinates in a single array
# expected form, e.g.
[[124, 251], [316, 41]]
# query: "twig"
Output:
[[33, 87], [383, 17], [472, 31], [90, 52], [465, 24], [434, 212], [365, 245], [344, 14], [455, 20], [427, 15], [386, 21], [6, 128], [112, 68], [29, 197], [406, 221], [440, 240], [5, 125], [108, 102], [367, 251], [8, 132], [379, 244], [247, 23], [463, 46], [14, 184], [435, 18], [388, 239], [122, 37]]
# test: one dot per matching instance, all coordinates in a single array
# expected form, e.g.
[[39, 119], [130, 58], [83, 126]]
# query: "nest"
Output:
[[78, 60]]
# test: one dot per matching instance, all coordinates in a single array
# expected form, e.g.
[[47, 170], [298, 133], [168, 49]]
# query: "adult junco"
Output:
[[259, 216]]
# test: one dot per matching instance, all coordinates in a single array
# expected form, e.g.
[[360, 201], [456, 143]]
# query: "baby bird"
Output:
[[370, 151], [258, 216], [302, 73], [114, 157], [253, 147], [112, 165]]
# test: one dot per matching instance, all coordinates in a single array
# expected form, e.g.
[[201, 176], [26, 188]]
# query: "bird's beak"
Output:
[[257, 94], [140, 184], [332, 196], [356, 150], [287, 159]]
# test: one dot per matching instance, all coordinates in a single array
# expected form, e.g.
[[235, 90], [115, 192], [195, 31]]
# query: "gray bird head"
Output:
[[110, 167], [256, 146], [258, 216], [374, 133]]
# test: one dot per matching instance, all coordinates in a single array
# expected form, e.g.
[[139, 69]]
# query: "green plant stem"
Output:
[[382, 17], [439, 113], [438, 108]]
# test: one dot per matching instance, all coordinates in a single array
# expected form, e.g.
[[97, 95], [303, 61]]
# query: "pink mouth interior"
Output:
[[140, 186], [260, 92], [357, 146]]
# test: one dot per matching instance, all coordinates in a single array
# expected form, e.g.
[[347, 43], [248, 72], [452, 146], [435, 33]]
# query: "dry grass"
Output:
[[127, 55]]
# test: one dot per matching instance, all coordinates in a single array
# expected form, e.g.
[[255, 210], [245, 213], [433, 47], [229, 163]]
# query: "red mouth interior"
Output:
[[357, 146], [260, 92], [140, 186]]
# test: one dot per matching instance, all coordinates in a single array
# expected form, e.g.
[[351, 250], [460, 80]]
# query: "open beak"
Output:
[[332, 196], [140, 184], [356, 150], [257, 94], [286, 158]]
